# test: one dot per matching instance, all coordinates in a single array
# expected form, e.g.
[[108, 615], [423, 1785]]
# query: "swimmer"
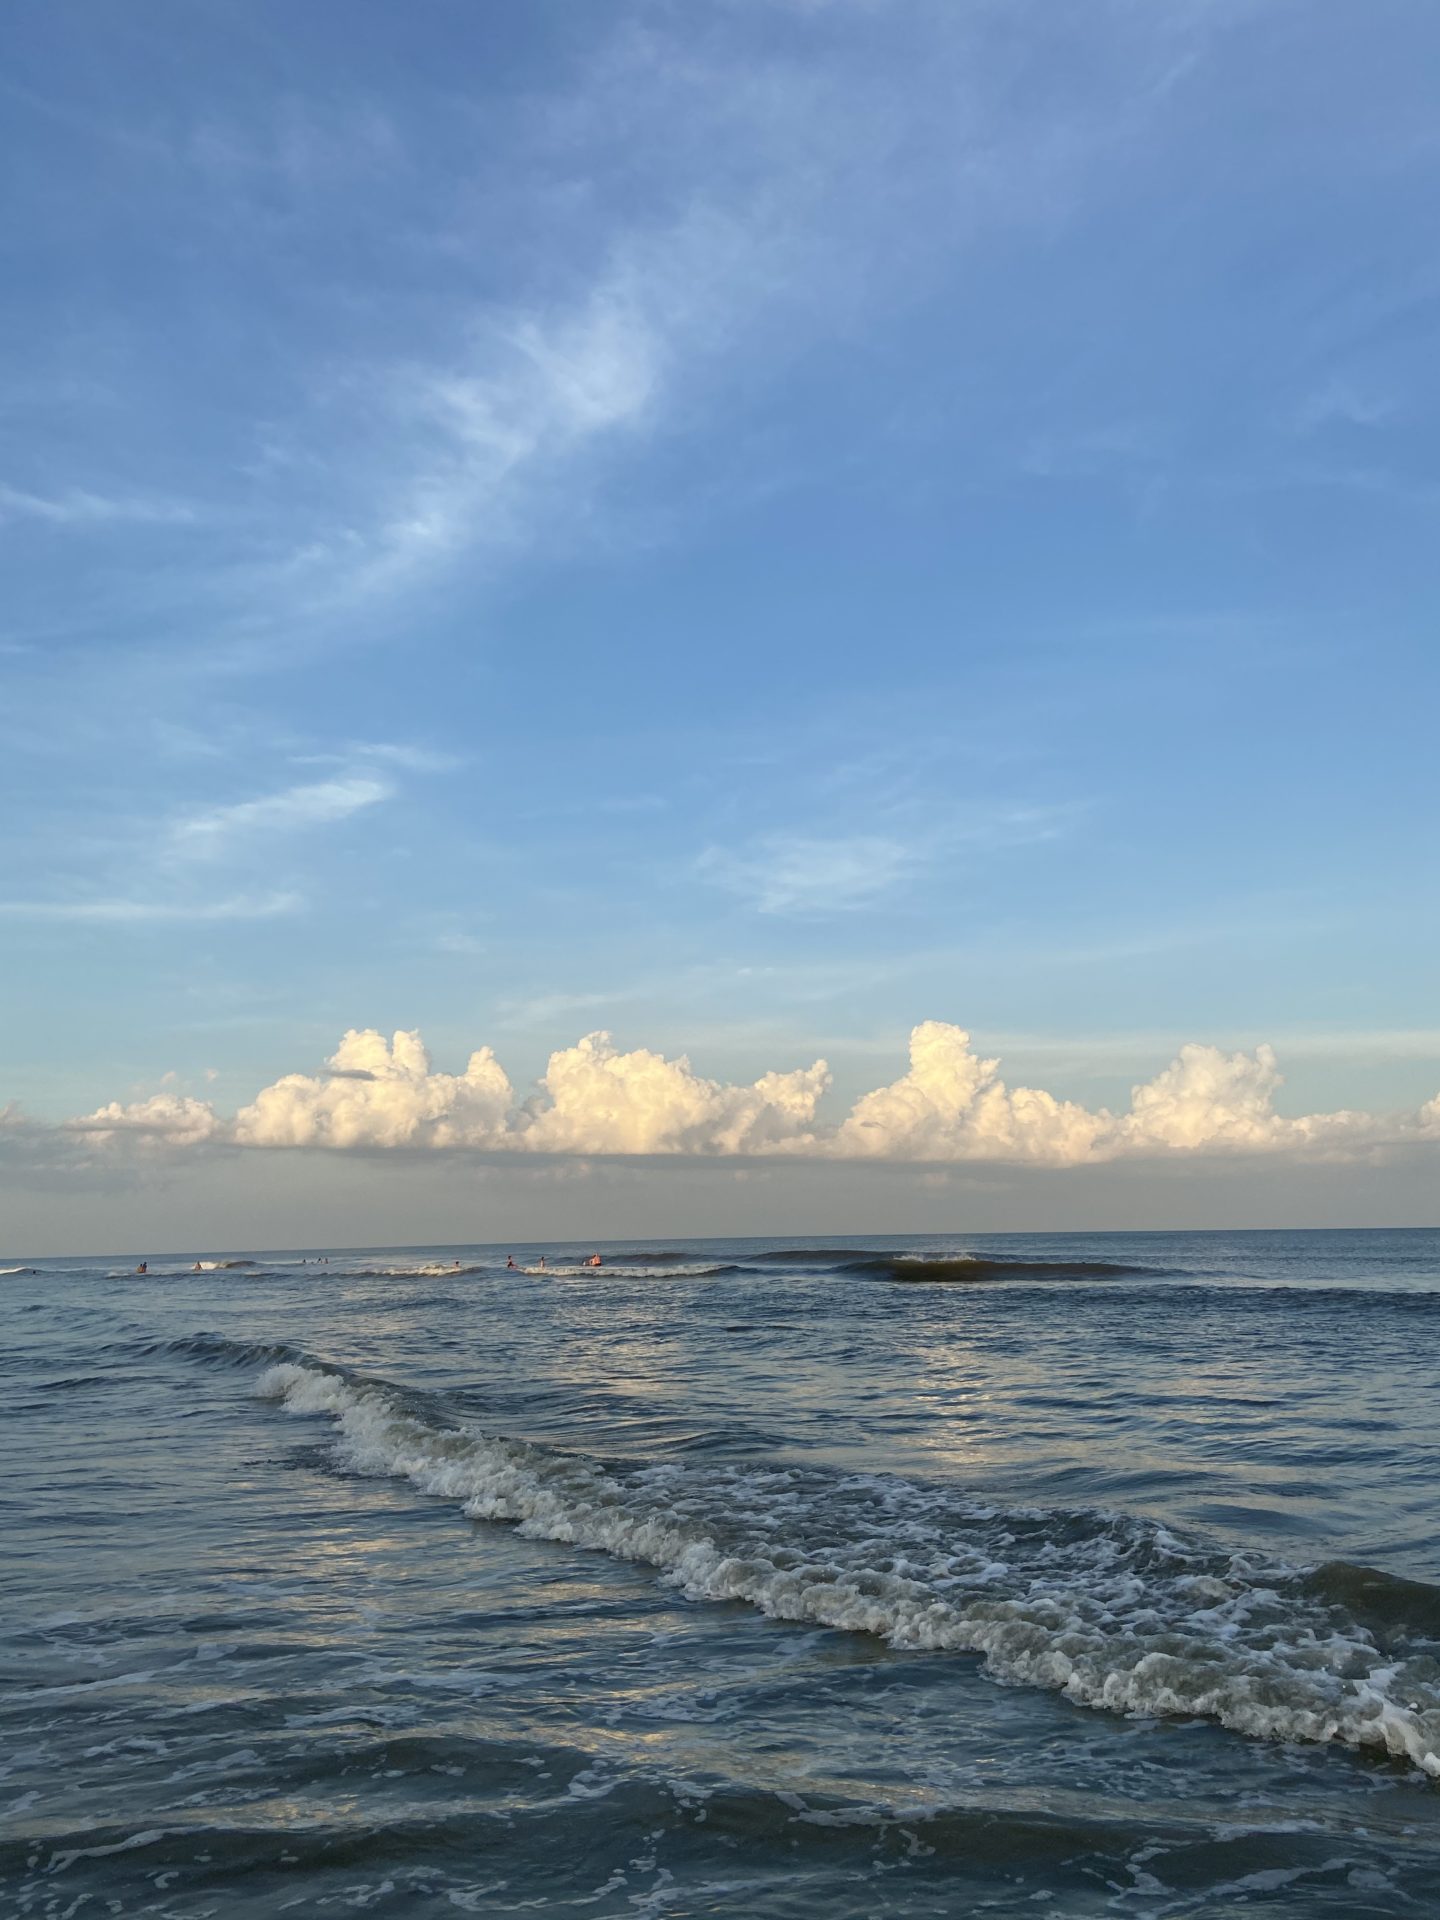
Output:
[[510, 1261], [144, 1267], [593, 1261]]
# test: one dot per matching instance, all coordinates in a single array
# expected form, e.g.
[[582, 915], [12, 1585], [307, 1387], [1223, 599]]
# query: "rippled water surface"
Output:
[[1087, 1575]]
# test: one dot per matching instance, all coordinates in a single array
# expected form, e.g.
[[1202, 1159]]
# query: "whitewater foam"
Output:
[[1112, 1611]]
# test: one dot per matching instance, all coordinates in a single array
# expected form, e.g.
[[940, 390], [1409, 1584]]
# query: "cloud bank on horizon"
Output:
[[595, 1100]]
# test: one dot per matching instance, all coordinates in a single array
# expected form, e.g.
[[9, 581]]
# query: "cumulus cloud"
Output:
[[176, 1119], [381, 1094], [595, 1099], [950, 1106]]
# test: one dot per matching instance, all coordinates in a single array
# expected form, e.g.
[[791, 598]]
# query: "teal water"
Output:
[[1003, 1574]]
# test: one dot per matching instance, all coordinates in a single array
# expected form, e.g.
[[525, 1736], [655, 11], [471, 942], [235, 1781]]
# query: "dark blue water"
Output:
[[1006, 1574]]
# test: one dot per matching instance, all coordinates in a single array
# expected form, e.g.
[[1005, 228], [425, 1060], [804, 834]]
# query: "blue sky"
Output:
[[747, 527]]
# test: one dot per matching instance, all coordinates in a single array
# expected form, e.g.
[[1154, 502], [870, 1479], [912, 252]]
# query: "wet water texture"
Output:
[[1089, 1575]]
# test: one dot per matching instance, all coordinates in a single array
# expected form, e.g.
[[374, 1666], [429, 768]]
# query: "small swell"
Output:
[[819, 1256], [946, 1266], [971, 1267], [218, 1350], [1398, 1610]]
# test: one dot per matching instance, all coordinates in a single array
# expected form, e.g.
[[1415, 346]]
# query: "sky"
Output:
[[879, 559]]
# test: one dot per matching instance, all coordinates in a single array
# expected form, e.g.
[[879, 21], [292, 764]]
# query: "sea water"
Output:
[[1003, 1574]]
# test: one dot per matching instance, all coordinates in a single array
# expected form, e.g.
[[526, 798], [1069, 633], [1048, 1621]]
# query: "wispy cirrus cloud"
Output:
[[410, 758], [78, 507], [810, 873], [142, 912], [319, 803], [814, 873], [776, 189]]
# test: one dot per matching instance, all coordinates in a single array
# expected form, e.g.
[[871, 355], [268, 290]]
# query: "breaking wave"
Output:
[[422, 1270], [1112, 1611]]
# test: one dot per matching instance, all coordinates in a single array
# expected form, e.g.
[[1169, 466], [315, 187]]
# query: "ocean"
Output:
[[1015, 1575]]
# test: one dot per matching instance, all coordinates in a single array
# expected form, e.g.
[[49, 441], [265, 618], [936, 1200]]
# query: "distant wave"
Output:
[[1113, 1611], [949, 1266], [969, 1267], [819, 1256], [614, 1270], [914, 1266], [6, 1270]]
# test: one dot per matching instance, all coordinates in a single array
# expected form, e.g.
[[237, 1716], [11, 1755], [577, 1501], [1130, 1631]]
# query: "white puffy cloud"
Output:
[[951, 1105], [381, 1094], [174, 1119], [1209, 1101], [598, 1100], [1206, 1098], [593, 1099]]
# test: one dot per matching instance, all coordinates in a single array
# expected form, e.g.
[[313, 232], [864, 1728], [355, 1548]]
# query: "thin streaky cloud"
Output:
[[80, 508], [390, 753], [805, 874], [811, 873], [154, 912], [317, 804]]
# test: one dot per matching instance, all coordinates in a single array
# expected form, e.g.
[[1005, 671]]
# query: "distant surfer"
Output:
[[593, 1261], [144, 1267], [542, 1263], [510, 1261], [197, 1268]]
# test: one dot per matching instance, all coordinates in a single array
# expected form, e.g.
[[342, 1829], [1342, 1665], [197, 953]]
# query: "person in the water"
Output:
[[593, 1261], [144, 1267], [510, 1260]]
